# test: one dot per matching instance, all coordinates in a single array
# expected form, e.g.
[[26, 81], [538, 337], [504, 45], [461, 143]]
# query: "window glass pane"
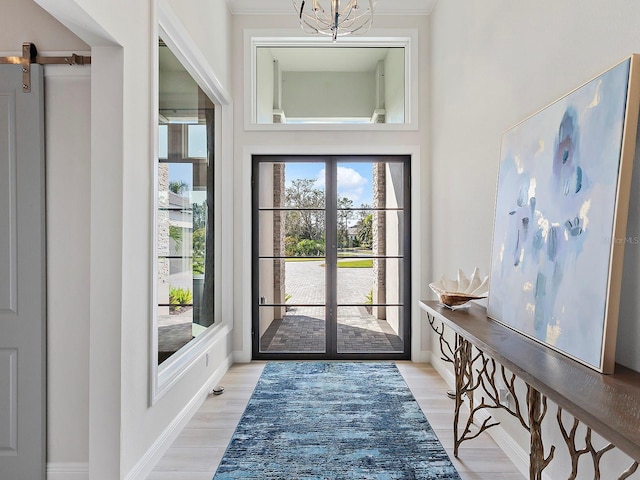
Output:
[[294, 330], [370, 330], [163, 145], [279, 236], [184, 222], [375, 233], [370, 184], [370, 280], [292, 281], [197, 144], [298, 185]]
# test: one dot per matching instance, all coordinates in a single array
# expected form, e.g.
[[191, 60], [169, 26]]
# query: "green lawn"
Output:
[[355, 263], [359, 263]]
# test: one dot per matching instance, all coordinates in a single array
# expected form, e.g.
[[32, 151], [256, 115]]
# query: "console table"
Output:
[[488, 356]]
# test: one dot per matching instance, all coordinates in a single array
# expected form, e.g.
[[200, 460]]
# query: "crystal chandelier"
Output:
[[337, 18]]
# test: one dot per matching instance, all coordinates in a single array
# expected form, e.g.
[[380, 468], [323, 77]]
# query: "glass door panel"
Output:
[[370, 234], [296, 330], [291, 274], [358, 333]]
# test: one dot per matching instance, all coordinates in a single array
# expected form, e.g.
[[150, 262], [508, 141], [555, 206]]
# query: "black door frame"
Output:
[[331, 331]]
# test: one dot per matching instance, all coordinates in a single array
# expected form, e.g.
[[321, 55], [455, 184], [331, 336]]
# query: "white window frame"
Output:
[[406, 38], [163, 377]]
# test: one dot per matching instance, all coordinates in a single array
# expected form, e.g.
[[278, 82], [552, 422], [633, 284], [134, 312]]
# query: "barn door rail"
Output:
[[30, 56]]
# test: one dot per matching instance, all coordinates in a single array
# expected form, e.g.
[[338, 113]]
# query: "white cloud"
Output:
[[351, 184], [320, 179]]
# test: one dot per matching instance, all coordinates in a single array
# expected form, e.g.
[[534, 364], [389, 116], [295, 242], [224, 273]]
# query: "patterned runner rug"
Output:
[[334, 420]]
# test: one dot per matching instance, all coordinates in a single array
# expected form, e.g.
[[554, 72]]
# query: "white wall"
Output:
[[328, 94], [394, 85], [208, 24], [265, 72], [339, 141], [494, 63], [68, 104], [394, 182]]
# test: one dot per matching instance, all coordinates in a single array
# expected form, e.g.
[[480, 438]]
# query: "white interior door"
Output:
[[22, 277]]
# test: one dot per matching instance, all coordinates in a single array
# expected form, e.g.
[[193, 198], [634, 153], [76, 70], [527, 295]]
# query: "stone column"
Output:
[[279, 280], [379, 239], [163, 238]]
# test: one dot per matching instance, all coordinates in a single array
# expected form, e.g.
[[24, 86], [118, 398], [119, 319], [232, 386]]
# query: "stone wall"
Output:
[[279, 279]]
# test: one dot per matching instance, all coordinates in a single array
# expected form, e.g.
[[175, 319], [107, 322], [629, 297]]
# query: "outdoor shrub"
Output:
[[369, 298], [309, 248], [290, 246], [179, 297]]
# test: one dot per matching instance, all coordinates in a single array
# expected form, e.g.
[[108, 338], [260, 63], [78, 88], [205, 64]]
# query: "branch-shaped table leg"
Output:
[[537, 404], [596, 455], [447, 352], [628, 472]]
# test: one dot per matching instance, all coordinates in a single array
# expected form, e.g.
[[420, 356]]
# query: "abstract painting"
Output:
[[560, 219]]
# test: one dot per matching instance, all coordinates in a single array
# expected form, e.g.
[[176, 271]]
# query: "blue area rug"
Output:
[[334, 420]]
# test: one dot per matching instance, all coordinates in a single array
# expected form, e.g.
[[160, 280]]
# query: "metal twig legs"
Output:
[[537, 405], [628, 472], [596, 455], [466, 385], [469, 379], [475, 371], [445, 347]]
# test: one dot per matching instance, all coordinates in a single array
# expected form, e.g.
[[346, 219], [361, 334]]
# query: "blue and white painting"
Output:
[[555, 211]]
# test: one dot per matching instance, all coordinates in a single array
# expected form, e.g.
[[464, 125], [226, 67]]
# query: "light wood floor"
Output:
[[197, 451]]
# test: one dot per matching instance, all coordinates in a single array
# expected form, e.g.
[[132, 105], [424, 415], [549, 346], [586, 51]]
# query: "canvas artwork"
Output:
[[559, 232]]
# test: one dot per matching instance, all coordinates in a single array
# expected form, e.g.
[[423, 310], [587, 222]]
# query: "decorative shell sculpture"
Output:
[[455, 293]]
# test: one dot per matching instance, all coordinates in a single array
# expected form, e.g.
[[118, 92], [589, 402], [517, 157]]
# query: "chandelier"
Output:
[[337, 19]]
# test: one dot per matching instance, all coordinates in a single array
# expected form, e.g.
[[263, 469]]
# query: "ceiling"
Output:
[[383, 7]]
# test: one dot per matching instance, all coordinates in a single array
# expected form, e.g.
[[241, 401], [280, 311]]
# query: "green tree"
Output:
[[178, 187], [199, 247], [345, 214], [365, 231], [309, 248], [199, 215], [307, 221], [175, 234]]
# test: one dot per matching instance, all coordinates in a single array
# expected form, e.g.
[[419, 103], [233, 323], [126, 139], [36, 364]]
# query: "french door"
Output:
[[331, 257]]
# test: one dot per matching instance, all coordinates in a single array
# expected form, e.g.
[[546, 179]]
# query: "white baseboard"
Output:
[[67, 471], [241, 356], [422, 356], [145, 465]]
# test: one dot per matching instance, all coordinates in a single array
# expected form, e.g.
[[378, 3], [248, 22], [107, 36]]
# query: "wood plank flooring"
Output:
[[199, 448]]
